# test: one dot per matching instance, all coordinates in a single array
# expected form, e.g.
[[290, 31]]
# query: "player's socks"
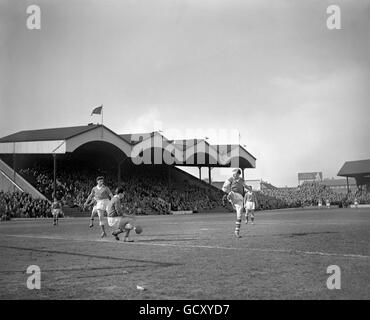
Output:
[[237, 227], [246, 219], [115, 235], [91, 223]]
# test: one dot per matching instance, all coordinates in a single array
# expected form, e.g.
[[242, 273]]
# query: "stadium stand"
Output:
[[67, 160]]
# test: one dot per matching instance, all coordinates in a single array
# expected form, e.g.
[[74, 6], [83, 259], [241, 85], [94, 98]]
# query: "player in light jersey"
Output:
[[118, 219], [356, 203], [56, 210], [250, 201], [235, 187], [102, 195]]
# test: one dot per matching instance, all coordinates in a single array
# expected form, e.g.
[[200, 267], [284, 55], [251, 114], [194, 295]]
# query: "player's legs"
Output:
[[101, 222], [55, 213], [252, 215], [249, 211], [115, 222], [237, 201], [54, 218], [125, 226], [93, 212], [128, 228]]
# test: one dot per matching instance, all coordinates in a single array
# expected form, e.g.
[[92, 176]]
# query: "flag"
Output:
[[97, 110]]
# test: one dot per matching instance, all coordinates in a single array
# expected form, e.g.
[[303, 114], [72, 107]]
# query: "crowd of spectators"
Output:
[[20, 204], [146, 193], [308, 194]]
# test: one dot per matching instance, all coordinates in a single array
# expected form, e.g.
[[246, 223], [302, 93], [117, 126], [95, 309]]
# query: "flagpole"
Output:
[[102, 121]]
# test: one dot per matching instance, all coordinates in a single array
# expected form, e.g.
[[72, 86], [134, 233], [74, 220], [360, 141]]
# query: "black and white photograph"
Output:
[[190, 151]]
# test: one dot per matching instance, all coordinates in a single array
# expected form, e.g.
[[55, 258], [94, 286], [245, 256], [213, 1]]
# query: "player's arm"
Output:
[[89, 198], [226, 186], [110, 193], [246, 187], [118, 207]]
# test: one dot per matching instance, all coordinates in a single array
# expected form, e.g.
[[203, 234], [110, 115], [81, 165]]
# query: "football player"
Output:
[[102, 195], [56, 210], [235, 188], [118, 219], [250, 201]]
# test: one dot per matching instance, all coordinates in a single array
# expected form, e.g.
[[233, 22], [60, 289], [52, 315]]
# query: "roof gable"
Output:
[[47, 134], [355, 168]]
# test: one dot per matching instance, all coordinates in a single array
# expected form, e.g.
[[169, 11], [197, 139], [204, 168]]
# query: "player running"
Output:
[[56, 210], [250, 201], [118, 219], [235, 187], [102, 195]]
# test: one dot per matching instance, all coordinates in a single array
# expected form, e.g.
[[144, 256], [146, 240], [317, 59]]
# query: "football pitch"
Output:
[[284, 255]]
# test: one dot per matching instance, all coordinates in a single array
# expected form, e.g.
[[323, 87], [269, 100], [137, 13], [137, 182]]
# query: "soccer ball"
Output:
[[138, 229]]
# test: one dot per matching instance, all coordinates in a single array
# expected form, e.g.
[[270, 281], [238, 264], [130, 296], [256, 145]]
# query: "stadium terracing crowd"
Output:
[[309, 194], [152, 195], [146, 195]]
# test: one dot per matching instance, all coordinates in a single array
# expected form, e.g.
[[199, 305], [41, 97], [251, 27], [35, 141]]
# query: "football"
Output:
[[138, 229]]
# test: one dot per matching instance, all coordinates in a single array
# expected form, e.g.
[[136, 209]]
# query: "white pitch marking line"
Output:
[[344, 255]]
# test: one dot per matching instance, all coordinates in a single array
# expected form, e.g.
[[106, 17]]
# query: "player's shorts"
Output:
[[120, 222], [249, 205], [56, 212], [102, 204], [114, 221], [236, 200]]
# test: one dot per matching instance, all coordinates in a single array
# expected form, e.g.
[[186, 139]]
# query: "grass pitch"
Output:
[[285, 255]]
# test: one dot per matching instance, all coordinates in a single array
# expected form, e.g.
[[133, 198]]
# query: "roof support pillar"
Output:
[[200, 173], [209, 175], [14, 168], [119, 172], [347, 186], [54, 175], [169, 176]]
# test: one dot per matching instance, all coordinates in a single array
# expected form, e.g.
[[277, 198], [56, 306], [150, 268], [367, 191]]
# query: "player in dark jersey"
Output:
[[101, 195], [118, 219], [235, 188]]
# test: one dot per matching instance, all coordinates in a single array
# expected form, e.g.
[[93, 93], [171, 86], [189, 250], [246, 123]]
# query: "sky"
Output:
[[297, 92]]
